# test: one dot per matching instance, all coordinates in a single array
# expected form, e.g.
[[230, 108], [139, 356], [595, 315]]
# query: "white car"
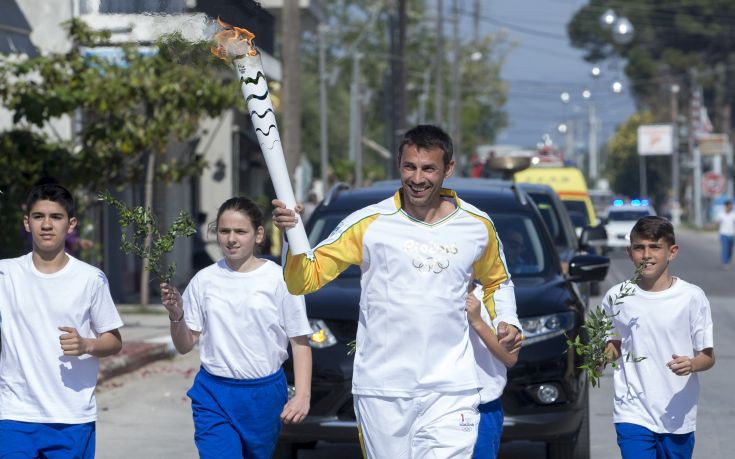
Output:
[[620, 219]]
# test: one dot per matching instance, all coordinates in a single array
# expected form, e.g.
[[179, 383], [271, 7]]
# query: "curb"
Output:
[[133, 356]]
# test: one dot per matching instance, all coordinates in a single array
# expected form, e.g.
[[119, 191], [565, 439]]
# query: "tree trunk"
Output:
[[148, 205]]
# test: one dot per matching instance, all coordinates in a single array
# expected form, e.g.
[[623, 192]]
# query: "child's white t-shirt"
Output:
[[38, 383], [245, 319], [657, 325], [491, 372]]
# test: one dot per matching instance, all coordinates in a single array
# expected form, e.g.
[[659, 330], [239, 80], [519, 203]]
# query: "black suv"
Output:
[[546, 397]]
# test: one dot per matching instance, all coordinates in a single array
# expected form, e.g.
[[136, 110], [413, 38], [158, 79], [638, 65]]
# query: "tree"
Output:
[[132, 108], [361, 26], [623, 167], [670, 39]]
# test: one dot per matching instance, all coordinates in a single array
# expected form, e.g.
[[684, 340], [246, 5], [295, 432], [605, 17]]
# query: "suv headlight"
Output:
[[321, 336], [540, 328]]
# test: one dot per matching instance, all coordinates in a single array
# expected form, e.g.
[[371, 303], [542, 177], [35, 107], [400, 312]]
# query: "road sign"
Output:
[[713, 144], [713, 184], [655, 139]]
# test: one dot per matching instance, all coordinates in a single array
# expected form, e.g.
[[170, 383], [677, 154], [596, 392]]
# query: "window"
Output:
[[138, 6]]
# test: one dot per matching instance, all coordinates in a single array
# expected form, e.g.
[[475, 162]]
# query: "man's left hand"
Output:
[[510, 337]]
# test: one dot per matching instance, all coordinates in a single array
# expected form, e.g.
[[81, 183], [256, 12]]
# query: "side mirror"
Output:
[[593, 238], [588, 268]]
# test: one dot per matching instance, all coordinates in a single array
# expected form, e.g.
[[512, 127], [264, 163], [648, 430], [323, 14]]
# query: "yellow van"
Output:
[[570, 185]]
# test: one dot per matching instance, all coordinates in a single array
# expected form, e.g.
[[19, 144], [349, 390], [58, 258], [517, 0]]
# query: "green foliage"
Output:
[[670, 39], [623, 163], [128, 110], [351, 30], [597, 328], [144, 224]]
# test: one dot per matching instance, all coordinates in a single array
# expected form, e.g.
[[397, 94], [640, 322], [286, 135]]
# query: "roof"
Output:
[[471, 190], [558, 178]]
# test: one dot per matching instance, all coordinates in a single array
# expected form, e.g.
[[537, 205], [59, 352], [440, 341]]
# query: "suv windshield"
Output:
[[626, 215], [522, 244]]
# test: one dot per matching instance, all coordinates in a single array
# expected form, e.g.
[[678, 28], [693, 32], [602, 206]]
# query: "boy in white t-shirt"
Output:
[[667, 321], [58, 318]]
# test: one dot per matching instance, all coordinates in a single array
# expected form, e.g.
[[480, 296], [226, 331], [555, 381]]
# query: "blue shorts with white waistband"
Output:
[[235, 418], [19, 440], [638, 442]]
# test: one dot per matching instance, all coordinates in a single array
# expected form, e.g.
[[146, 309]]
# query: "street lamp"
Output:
[[622, 31], [608, 18]]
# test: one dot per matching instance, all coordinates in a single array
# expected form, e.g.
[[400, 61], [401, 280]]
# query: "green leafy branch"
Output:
[[597, 329], [145, 227]]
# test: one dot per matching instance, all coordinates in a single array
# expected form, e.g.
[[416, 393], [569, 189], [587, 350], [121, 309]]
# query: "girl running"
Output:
[[242, 316]]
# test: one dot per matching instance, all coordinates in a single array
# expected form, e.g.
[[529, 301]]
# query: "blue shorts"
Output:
[[235, 418], [28, 440], [637, 442], [489, 431]]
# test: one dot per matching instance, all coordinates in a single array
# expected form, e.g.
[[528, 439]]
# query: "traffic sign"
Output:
[[713, 184]]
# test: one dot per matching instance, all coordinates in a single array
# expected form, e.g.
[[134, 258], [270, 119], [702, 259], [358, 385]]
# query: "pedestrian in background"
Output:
[[667, 322], [58, 318], [240, 313], [726, 221]]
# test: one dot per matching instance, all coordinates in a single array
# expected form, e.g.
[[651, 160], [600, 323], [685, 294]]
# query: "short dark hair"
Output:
[[51, 192], [653, 228], [428, 136]]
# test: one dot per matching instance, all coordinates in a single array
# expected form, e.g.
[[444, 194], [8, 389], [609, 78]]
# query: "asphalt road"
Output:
[[146, 413]]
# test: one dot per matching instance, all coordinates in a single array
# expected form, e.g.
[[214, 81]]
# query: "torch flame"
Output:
[[233, 41]]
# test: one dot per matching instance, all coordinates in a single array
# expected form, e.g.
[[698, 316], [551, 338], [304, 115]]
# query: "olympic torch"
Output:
[[236, 45]]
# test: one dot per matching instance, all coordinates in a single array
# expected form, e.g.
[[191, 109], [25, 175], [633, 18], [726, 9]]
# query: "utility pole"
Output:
[[424, 97], [355, 150], [454, 113], [675, 206], [476, 28], [291, 32], [694, 113], [323, 126], [438, 65], [592, 112], [401, 80]]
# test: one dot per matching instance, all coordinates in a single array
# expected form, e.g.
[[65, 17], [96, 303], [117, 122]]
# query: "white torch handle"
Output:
[[255, 90]]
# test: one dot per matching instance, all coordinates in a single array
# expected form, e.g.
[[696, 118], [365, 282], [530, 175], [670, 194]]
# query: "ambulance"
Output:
[[570, 185]]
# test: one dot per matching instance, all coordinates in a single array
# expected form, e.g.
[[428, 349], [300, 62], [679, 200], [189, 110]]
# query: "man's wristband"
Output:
[[179, 319]]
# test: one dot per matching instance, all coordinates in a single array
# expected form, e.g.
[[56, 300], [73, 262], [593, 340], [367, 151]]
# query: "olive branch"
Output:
[[598, 327], [145, 225]]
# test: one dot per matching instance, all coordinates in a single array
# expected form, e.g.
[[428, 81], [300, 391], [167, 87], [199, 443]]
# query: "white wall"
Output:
[[216, 182]]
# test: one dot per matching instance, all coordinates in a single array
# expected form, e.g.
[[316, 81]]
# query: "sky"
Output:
[[543, 65]]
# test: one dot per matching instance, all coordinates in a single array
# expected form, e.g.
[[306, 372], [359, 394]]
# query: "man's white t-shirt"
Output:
[[245, 319], [656, 325], [727, 223], [38, 383]]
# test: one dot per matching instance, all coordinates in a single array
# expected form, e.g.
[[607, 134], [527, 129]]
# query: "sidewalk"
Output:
[[146, 338]]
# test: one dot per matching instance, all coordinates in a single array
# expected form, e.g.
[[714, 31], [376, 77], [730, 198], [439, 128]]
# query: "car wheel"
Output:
[[576, 446]]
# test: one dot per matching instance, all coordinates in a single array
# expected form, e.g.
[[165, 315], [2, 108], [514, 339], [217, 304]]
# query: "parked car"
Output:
[[546, 397], [561, 228], [620, 219]]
